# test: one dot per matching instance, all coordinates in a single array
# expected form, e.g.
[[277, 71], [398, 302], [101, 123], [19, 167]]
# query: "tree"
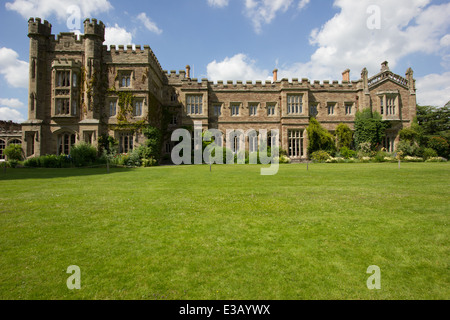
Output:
[[14, 152], [344, 136], [319, 138], [434, 121], [151, 149], [369, 127]]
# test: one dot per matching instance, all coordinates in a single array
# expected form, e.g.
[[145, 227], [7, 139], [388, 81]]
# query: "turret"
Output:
[[94, 36], [39, 34]]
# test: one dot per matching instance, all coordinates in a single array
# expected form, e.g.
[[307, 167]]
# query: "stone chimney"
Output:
[[384, 66], [346, 75], [275, 75], [188, 71]]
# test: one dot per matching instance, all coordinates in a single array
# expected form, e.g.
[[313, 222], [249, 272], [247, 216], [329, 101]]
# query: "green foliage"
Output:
[[369, 127], [83, 154], [49, 161], [319, 138], [14, 152], [407, 148], [440, 145], [428, 153], [348, 153], [107, 143], [381, 156], [344, 136], [134, 159], [320, 156], [434, 121], [153, 144]]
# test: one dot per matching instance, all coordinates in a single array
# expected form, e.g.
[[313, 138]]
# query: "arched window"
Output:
[[15, 141], [2, 148]]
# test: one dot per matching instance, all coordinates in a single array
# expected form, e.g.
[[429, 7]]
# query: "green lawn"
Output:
[[187, 233]]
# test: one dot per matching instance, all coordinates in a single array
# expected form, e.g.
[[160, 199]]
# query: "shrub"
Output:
[[440, 145], [436, 159], [381, 156], [408, 148], [344, 136], [429, 153], [149, 162], [412, 159], [134, 159], [83, 154], [347, 153], [320, 156], [319, 138], [14, 152], [32, 162]]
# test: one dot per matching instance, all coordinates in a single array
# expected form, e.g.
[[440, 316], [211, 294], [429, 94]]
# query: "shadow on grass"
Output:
[[51, 173]]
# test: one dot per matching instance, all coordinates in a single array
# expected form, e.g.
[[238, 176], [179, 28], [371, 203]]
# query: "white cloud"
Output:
[[14, 70], [302, 4], [433, 89], [11, 114], [149, 24], [345, 41], [117, 36], [12, 103], [445, 41], [47, 8], [264, 11], [238, 67], [218, 3]]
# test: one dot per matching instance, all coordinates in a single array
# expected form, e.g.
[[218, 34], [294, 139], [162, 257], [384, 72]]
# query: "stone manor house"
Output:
[[80, 89]]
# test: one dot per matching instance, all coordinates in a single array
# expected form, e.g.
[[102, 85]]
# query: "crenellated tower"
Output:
[[39, 34]]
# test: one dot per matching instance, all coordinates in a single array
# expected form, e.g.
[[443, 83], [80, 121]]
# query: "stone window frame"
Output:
[[112, 102], [235, 109], [67, 91], [126, 75], [253, 109], [295, 143], [65, 141], [271, 109], [313, 109], [331, 108], [194, 107], [138, 106], [215, 107], [125, 139], [349, 106], [389, 103], [294, 107]]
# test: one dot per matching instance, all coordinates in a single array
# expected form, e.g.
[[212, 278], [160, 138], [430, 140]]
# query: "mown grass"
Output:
[[187, 233]]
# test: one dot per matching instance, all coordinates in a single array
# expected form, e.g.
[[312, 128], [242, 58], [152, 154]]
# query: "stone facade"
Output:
[[80, 89]]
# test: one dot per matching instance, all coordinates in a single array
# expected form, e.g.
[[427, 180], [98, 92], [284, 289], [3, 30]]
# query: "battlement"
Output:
[[94, 27], [173, 75], [36, 27]]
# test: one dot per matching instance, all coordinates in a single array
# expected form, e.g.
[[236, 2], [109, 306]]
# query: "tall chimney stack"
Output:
[[275, 75], [188, 71], [346, 75]]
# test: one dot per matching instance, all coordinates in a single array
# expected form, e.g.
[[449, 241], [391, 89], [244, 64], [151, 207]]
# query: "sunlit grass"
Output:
[[187, 233]]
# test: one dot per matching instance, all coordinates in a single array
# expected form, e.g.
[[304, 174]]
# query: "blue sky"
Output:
[[247, 39]]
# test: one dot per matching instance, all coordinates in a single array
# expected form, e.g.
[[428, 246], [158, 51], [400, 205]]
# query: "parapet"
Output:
[[36, 27], [92, 27]]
